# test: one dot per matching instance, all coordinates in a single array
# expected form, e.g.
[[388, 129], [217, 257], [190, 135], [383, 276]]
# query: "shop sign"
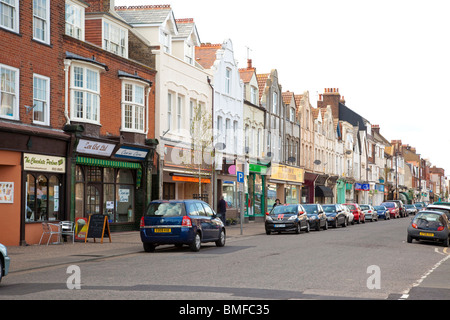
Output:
[[94, 147], [286, 173], [379, 187], [362, 186], [131, 153], [37, 162], [257, 168]]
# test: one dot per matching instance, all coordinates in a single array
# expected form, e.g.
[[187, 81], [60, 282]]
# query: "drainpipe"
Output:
[[149, 89], [66, 90]]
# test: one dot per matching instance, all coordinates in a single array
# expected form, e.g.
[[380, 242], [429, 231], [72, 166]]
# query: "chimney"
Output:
[[376, 128], [331, 97], [249, 64]]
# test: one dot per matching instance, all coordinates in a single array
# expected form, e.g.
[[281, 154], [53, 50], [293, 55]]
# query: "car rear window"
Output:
[[166, 209], [351, 206], [364, 207], [388, 204]]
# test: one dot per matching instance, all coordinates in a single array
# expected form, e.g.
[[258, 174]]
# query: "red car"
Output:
[[393, 208], [358, 214]]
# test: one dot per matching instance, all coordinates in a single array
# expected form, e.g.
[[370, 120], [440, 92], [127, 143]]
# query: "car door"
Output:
[[302, 217], [322, 216], [212, 223]]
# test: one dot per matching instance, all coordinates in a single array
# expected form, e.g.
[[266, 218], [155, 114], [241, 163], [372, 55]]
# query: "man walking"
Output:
[[222, 208]]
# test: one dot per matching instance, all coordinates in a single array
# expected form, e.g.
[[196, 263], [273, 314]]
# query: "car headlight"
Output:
[[292, 218], [269, 218]]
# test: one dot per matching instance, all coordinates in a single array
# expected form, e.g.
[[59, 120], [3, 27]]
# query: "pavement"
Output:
[[25, 258]]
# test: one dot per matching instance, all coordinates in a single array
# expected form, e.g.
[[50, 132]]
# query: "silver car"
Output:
[[4, 261], [369, 212], [429, 225]]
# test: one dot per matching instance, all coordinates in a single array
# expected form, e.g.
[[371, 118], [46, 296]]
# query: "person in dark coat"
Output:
[[222, 209]]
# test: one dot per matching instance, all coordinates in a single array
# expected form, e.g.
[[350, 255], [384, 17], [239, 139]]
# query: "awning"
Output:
[[113, 164], [322, 191]]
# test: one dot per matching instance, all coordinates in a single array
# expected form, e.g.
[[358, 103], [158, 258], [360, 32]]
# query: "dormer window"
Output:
[[164, 38], [188, 53], [115, 39]]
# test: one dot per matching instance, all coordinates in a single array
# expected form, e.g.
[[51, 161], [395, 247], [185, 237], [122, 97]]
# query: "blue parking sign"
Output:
[[240, 177]]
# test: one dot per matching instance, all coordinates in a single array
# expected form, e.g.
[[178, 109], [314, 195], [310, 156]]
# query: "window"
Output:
[[192, 106], [41, 23], [228, 80], [9, 14], [133, 106], [254, 95], [74, 20], [219, 126], [235, 136], [227, 132], [115, 39], [275, 103], [9, 92], [169, 111], [188, 53], [43, 197], [164, 39], [180, 100], [85, 94], [41, 100]]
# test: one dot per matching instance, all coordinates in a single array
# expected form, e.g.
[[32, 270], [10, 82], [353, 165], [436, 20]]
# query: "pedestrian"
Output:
[[222, 208], [277, 203]]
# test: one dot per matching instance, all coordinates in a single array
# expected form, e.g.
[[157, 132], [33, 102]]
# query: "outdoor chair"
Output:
[[50, 229], [68, 229]]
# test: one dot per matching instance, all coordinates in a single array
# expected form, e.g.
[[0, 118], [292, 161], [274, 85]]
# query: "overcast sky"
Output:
[[389, 59]]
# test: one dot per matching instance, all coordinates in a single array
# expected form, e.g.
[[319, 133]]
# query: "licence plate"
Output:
[[280, 225], [426, 234], [162, 230]]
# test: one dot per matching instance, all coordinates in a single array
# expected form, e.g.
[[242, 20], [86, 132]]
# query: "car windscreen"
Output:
[[379, 208], [166, 209], [364, 207], [311, 208], [329, 209], [285, 209], [388, 204]]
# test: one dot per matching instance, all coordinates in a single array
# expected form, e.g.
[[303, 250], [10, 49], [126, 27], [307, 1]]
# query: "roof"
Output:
[[287, 97], [262, 78], [205, 55], [246, 74]]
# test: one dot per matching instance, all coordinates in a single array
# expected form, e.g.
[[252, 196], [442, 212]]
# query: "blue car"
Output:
[[382, 212], [4, 262], [179, 222]]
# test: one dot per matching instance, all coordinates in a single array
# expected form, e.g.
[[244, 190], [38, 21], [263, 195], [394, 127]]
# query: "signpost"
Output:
[[98, 226], [240, 180]]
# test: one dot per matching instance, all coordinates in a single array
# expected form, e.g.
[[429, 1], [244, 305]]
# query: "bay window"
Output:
[[85, 93], [133, 106]]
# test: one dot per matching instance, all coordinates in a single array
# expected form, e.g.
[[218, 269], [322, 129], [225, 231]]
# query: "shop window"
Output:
[[43, 195], [229, 193]]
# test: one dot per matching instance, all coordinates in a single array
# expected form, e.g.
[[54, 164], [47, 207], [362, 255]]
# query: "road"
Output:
[[366, 261]]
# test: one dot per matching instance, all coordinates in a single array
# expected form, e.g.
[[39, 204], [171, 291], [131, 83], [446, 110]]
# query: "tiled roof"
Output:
[[262, 78], [246, 74], [146, 14], [205, 55], [185, 27], [287, 97]]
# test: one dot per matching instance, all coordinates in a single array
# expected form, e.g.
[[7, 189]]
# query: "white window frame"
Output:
[[170, 96], [254, 95], [180, 107], [44, 99], [85, 91], [74, 20], [14, 5], [111, 40], [275, 103], [166, 40], [44, 17], [14, 91], [136, 105], [227, 80]]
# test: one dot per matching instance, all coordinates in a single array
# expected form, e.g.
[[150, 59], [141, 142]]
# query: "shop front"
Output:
[[285, 183], [256, 195], [308, 190], [108, 180]]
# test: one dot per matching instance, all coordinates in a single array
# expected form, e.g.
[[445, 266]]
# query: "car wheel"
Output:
[[409, 239], [196, 243], [268, 232], [298, 229], [335, 223], [221, 241], [149, 247], [307, 227], [325, 227], [345, 223]]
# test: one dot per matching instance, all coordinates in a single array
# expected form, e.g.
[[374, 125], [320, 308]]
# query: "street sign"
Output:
[[240, 177]]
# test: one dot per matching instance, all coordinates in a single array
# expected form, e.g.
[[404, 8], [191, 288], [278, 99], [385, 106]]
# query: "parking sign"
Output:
[[240, 177]]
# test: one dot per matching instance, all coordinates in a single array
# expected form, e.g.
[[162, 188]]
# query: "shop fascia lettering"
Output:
[[34, 162]]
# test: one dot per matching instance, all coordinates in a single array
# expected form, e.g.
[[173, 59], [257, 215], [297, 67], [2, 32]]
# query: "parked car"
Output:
[[290, 217], [4, 261], [357, 212], [317, 216], [411, 209], [393, 209], [349, 214], [382, 212], [429, 225], [180, 222], [369, 212], [440, 207], [419, 206], [401, 208], [336, 215]]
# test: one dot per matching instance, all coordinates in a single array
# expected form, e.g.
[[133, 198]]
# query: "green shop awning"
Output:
[[113, 164]]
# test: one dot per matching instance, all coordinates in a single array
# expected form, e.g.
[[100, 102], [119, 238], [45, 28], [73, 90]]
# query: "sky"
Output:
[[389, 59]]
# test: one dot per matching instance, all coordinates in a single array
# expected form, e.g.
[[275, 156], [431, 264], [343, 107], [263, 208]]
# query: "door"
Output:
[[93, 201]]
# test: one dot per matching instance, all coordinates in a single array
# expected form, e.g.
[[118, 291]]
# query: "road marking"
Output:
[[405, 293]]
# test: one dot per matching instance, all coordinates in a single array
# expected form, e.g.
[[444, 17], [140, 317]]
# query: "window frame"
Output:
[[84, 90], [15, 106], [15, 16], [46, 22], [108, 39], [75, 25], [136, 107], [46, 111]]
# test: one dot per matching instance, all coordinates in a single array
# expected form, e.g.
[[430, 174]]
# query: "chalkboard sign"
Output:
[[98, 227]]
